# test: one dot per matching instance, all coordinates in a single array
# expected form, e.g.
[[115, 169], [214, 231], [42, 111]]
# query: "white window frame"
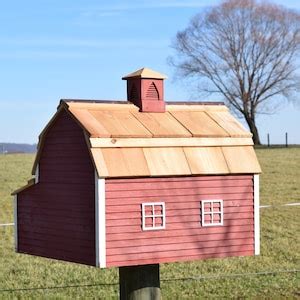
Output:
[[203, 213], [153, 215]]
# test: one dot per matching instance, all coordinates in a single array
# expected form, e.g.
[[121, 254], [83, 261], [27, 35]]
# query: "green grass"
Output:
[[280, 244]]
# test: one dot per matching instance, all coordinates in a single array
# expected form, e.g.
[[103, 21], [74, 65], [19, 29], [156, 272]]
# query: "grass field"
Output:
[[280, 244]]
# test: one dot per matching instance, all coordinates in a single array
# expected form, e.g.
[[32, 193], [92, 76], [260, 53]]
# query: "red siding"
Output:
[[184, 238], [56, 217]]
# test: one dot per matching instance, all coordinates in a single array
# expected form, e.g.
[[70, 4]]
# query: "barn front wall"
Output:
[[56, 216], [183, 236]]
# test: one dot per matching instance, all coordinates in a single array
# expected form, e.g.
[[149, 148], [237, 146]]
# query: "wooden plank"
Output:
[[211, 231], [58, 225], [45, 234], [99, 162], [120, 123], [166, 161], [180, 179], [177, 258], [176, 226], [195, 107], [44, 220], [125, 162], [23, 188], [136, 214], [102, 106], [175, 205], [158, 185], [209, 160], [241, 160], [179, 192], [179, 246], [90, 123], [169, 142], [49, 249], [229, 123], [49, 232], [64, 242], [193, 217], [162, 125], [199, 124], [165, 240], [184, 252]]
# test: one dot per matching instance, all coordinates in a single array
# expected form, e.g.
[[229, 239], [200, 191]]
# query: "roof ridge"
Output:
[[128, 102]]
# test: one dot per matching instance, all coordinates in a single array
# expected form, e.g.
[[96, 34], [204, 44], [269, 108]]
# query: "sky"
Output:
[[57, 49]]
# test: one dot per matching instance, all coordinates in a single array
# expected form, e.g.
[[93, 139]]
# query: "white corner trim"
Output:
[[37, 174], [256, 215], [16, 221], [100, 229]]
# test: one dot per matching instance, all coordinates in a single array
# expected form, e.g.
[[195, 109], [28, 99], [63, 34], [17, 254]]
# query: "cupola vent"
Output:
[[152, 92]]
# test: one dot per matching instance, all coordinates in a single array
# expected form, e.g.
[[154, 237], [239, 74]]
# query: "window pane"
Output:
[[207, 207], [158, 209], [148, 210], [158, 221]]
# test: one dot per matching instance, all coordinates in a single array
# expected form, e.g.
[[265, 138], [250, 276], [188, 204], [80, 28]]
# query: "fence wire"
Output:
[[193, 278]]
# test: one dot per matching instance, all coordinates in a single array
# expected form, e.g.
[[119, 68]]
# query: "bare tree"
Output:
[[244, 50]]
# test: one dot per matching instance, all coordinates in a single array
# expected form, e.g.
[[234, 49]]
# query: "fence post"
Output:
[[286, 139], [268, 136], [140, 282]]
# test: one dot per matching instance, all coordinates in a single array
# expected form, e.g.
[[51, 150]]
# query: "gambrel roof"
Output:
[[187, 139]]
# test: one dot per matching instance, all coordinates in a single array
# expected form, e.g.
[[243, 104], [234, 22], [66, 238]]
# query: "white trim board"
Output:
[[100, 230], [256, 215], [37, 174]]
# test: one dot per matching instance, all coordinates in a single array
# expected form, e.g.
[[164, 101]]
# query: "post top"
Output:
[[145, 73]]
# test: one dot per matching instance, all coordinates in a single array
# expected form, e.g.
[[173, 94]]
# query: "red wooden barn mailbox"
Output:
[[140, 182]]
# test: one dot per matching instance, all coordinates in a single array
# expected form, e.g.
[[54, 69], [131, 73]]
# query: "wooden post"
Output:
[[139, 282], [286, 140], [268, 140]]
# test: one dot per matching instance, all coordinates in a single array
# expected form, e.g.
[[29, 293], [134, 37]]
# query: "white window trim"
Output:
[[211, 213], [256, 215], [100, 230], [144, 217], [16, 222]]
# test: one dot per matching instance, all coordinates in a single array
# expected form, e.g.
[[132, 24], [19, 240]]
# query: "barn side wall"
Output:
[[56, 215], [184, 237]]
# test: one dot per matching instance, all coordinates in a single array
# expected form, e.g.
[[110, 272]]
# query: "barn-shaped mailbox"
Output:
[[140, 182]]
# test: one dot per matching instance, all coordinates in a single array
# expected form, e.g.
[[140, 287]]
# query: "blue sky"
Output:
[[55, 49]]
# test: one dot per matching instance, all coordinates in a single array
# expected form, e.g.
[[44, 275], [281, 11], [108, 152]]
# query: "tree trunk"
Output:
[[254, 130]]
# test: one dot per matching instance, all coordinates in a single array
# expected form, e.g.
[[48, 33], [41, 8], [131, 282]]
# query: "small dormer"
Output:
[[145, 89]]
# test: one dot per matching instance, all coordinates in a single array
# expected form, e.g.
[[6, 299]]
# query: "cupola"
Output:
[[145, 89]]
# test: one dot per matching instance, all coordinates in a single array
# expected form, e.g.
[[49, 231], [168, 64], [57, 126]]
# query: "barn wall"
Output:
[[184, 238], [56, 216]]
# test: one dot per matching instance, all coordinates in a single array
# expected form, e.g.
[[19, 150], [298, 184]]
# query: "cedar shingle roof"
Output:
[[185, 140]]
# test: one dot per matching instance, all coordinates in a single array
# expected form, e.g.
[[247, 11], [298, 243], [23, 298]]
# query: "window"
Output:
[[212, 212], [154, 216]]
